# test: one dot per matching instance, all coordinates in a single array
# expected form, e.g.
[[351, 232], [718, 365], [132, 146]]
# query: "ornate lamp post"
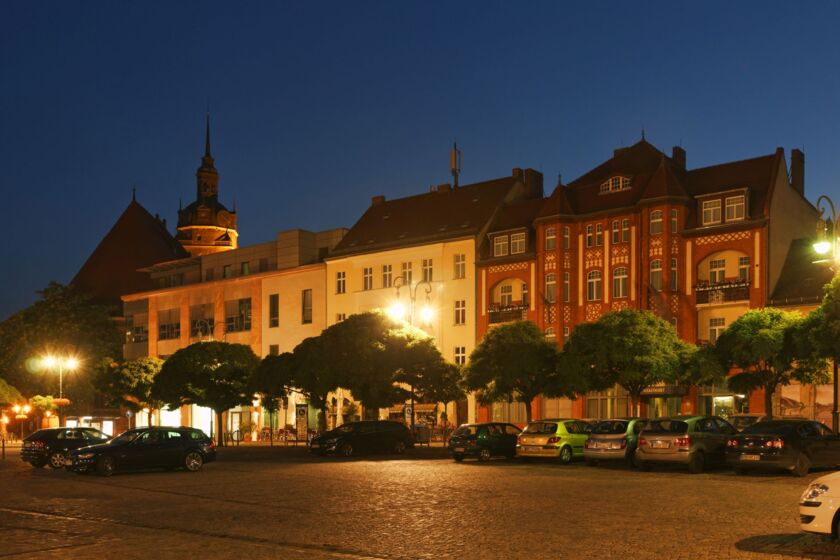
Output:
[[826, 247], [397, 311], [60, 363], [21, 413]]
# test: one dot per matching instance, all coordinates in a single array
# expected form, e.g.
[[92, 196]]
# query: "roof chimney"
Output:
[[797, 170], [517, 173], [678, 156], [445, 187], [534, 182], [378, 199]]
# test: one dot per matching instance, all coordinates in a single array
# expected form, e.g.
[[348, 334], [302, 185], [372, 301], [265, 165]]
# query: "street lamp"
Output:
[[826, 247], [68, 362], [397, 312], [21, 413]]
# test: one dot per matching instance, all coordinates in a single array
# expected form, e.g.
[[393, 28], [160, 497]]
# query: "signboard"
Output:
[[408, 410], [302, 421]]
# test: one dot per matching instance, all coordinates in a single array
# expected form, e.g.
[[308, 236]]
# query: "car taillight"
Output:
[[623, 443], [684, 441], [642, 442], [553, 439], [775, 444], [732, 442], [587, 444], [39, 443], [212, 444]]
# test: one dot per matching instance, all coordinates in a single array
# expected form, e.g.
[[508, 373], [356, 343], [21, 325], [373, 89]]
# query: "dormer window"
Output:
[[711, 212], [517, 243], [615, 184], [500, 246], [735, 208]]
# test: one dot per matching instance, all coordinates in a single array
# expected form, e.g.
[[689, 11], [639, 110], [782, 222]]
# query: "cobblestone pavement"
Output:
[[281, 503]]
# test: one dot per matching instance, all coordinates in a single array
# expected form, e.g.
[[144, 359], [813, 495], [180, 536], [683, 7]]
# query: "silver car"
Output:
[[613, 440], [695, 441]]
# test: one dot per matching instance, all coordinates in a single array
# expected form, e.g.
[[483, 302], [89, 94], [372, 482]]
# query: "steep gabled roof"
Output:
[[136, 240], [664, 182], [430, 217]]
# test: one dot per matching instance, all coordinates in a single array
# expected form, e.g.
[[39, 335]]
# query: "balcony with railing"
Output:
[[505, 313], [722, 292]]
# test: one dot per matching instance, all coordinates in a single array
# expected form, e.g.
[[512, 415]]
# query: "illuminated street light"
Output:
[[427, 314], [397, 311], [826, 246], [68, 363]]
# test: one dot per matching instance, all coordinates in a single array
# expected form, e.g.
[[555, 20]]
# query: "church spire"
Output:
[[207, 138]]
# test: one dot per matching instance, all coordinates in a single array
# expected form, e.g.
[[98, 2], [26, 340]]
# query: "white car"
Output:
[[819, 505]]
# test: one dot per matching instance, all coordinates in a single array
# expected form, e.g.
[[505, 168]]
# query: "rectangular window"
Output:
[[717, 271], [744, 269], [339, 317], [517, 243], [625, 231], [674, 278], [367, 278], [506, 295], [227, 271], [589, 236], [711, 212], [550, 239], [428, 270], [674, 216], [599, 235], [263, 266], [273, 349], [567, 237], [461, 312], [566, 334], [674, 322], [244, 269], [387, 277], [716, 327], [656, 275], [460, 266], [525, 299], [340, 282], [500, 245], [550, 288], [593, 286], [201, 320], [208, 275], [460, 355], [238, 315], [169, 324], [306, 307], [566, 287], [620, 282], [735, 208], [406, 273], [273, 310], [616, 232]]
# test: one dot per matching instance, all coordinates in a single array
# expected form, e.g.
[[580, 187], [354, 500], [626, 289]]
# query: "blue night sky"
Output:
[[318, 106]]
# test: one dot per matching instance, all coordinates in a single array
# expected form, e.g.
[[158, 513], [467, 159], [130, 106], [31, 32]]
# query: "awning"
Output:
[[418, 407]]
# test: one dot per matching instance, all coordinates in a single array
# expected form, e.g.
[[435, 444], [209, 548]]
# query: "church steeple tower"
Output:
[[206, 226]]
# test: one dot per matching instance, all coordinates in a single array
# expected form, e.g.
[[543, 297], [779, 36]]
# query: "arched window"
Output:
[[593, 286], [620, 282], [551, 287], [656, 222], [656, 275]]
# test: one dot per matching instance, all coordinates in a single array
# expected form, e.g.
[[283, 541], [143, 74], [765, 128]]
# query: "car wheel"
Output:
[[399, 447], [484, 454], [56, 460], [38, 464], [696, 462], [105, 465], [835, 527], [802, 465], [346, 450], [193, 461], [565, 455], [458, 458]]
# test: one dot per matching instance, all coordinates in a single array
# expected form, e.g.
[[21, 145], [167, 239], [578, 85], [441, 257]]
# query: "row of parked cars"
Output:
[[698, 442]]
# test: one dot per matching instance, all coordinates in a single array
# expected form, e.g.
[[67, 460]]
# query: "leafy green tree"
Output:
[[129, 384], [762, 343], [314, 376], [211, 374], [62, 322], [630, 348], [272, 380], [8, 394], [514, 362], [701, 365]]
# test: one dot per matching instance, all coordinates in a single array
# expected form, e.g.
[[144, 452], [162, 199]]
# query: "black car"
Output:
[[51, 445], [363, 437], [793, 445], [484, 441], [146, 448]]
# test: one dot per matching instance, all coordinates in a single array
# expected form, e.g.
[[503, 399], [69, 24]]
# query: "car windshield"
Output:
[[772, 428], [126, 437], [666, 426], [465, 431], [613, 427], [541, 428], [741, 422]]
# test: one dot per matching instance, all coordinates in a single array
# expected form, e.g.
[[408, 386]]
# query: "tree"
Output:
[[8, 394], [630, 348], [129, 384], [272, 380], [314, 376], [64, 322], [514, 362], [762, 343], [211, 374]]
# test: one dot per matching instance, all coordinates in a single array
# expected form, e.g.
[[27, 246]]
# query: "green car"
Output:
[[484, 441], [558, 438]]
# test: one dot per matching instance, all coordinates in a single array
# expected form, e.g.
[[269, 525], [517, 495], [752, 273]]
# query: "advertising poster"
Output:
[[302, 421]]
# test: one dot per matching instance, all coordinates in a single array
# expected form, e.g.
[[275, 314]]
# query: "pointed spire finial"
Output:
[[643, 133], [207, 137], [559, 179], [134, 193]]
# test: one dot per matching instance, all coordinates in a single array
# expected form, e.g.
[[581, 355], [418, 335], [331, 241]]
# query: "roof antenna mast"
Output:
[[455, 164]]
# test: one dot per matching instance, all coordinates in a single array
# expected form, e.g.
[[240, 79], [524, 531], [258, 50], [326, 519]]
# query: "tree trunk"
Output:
[[220, 433], [322, 420], [528, 413], [768, 401], [271, 428], [636, 404]]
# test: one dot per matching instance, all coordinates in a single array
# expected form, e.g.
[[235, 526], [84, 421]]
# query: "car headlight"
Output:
[[85, 455], [815, 490]]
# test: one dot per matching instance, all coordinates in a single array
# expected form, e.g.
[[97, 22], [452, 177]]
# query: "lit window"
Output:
[[615, 184], [550, 287], [656, 275], [656, 222], [711, 212], [550, 238], [734, 208], [744, 269], [593, 286], [460, 266], [340, 282], [367, 278], [500, 245], [517, 243], [620, 282], [387, 276]]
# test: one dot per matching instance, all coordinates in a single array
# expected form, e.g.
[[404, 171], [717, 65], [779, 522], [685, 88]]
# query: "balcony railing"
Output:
[[723, 292], [506, 313]]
